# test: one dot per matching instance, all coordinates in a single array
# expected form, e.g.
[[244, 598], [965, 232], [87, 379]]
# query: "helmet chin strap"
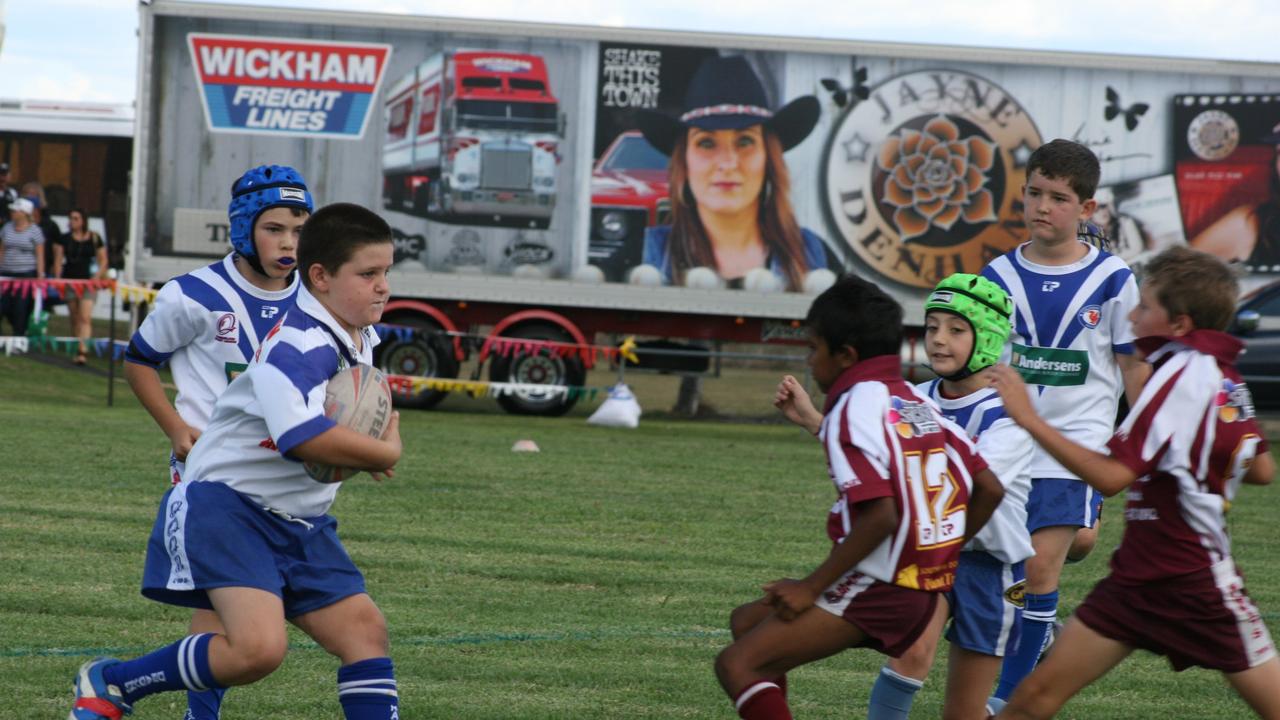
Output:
[[963, 372]]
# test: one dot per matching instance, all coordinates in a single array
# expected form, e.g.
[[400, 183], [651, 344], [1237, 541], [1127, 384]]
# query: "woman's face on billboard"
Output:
[[726, 168]]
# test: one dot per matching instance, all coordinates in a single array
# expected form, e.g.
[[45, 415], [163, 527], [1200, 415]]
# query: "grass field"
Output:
[[591, 580]]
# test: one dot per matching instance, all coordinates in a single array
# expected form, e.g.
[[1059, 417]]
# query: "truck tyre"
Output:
[[539, 368], [424, 354]]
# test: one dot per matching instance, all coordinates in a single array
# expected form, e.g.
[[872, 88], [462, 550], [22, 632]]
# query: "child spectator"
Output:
[[208, 323], [1189, 441], [247, 533], [911, 489], [1072, 339], [22, 247]]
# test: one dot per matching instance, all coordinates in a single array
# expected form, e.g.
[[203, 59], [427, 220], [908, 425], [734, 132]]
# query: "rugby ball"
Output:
[[358, 398]]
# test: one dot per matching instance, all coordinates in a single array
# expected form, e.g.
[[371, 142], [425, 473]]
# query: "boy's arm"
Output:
[[1135, 372], [1262, 471], [344, 447], [145, 383], [796, 405], [983, 501], [57, 260], [876, 520], [1106, 474]]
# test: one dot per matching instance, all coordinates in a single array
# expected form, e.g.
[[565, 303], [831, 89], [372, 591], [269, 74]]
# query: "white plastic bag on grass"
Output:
[[620, 409]]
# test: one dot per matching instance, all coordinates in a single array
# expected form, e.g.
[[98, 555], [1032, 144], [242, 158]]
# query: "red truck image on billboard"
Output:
[[473, 136]]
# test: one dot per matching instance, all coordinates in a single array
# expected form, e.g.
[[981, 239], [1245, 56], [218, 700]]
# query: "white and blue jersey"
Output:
[[1007, 448], [207, 325], [1069, 323], [276, 405], [986, 600]]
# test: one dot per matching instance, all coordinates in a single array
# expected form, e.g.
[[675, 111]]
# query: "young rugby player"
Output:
[[1187, 444], [911, 489], [207, 324], [246, 532], [1071, 337]]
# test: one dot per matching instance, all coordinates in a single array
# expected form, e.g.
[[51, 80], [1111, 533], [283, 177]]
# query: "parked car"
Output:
[[1258, 324], [628, 194]]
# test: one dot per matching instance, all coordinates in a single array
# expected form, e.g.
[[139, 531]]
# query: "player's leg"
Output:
[[1260, 687], [1041, 604], [355, 631], [773, 647], [1079, 657], [970, 676], [902, 677], [253, 646], [747, 616], [1086, 538], [205, 705]]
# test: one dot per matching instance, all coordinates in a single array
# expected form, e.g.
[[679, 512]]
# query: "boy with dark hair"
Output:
[[207, 324], [246, 533], [1072, 339], [911, 489], [1188, 443]]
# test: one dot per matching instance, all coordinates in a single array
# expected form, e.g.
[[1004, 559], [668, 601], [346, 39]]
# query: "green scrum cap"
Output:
[[987, 308]]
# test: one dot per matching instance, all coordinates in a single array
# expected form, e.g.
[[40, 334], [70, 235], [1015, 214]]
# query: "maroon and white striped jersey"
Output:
[[883, 438], [1190, 439]]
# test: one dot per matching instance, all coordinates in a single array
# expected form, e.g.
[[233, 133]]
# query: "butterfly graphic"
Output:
[[841, 95], [1131, 113]]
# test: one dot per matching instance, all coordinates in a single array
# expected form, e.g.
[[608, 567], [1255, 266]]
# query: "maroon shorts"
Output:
[[1204, 618], [892, 617]]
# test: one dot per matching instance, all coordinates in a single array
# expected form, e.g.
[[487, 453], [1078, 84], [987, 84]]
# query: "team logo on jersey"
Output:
[[923, 177], [228, 330], [912, 419], [1016, 594], [1234, 402], [270, 311], [1091, 316], [1050, 285]]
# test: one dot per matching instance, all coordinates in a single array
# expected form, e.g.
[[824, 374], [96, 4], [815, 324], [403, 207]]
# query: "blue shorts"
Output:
[[986, 604], [1059, 501], [209, 536]]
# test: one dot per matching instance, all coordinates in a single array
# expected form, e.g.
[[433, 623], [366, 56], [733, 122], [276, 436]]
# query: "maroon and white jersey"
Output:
[[883, 438], [1190, 439]]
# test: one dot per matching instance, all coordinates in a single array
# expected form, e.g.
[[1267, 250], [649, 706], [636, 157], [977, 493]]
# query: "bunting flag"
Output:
[[40, 287], [101, 347], [506, 347], [413, 385]]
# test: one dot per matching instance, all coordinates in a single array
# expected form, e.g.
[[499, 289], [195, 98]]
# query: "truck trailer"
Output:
[[528, 200]]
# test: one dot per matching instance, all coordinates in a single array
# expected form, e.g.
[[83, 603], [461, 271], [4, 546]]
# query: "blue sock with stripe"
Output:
[[1037, 624], [204, 705], [182, 665], [892, 695], [367, 690]]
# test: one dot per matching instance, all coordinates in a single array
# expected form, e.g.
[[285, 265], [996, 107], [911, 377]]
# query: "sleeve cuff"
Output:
[[302, 433]]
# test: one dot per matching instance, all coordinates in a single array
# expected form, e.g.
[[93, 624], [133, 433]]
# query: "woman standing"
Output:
[[73, 258], [21, 256], [730, 189]]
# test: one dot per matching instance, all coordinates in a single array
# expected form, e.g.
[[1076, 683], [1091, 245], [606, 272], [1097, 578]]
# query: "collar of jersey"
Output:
[[308, 303], [960, 402], [1039, 269], [881, 368], [1219, 345], [233, 272]]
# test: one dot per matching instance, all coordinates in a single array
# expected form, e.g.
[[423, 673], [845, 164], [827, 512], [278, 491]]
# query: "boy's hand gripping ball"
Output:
[[358, 398]]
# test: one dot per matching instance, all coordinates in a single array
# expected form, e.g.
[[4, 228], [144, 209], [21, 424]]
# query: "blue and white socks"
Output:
[[182, 665], [1037, 625], [367, 690]]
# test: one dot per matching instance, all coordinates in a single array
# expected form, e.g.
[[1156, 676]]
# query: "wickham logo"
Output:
[[923, 178], [1090, 316]]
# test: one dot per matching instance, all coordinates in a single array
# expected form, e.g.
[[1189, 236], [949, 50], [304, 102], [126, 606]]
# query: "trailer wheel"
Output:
[[539, 368], [423, 355]]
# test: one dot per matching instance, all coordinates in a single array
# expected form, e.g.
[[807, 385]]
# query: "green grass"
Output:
[[591, 580]]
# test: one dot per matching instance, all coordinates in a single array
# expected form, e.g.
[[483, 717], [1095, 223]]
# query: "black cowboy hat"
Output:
[[726, 94]]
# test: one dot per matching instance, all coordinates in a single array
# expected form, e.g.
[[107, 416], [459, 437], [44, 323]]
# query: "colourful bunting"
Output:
[[413, 385], [26, 287]]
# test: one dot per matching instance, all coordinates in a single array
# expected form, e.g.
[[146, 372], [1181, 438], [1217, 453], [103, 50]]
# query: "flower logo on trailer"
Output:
[[284, 86]]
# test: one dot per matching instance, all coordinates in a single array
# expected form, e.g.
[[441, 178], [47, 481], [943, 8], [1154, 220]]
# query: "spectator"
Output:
[[75, 255], [7, 194], [34, 192], [21, 256]]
